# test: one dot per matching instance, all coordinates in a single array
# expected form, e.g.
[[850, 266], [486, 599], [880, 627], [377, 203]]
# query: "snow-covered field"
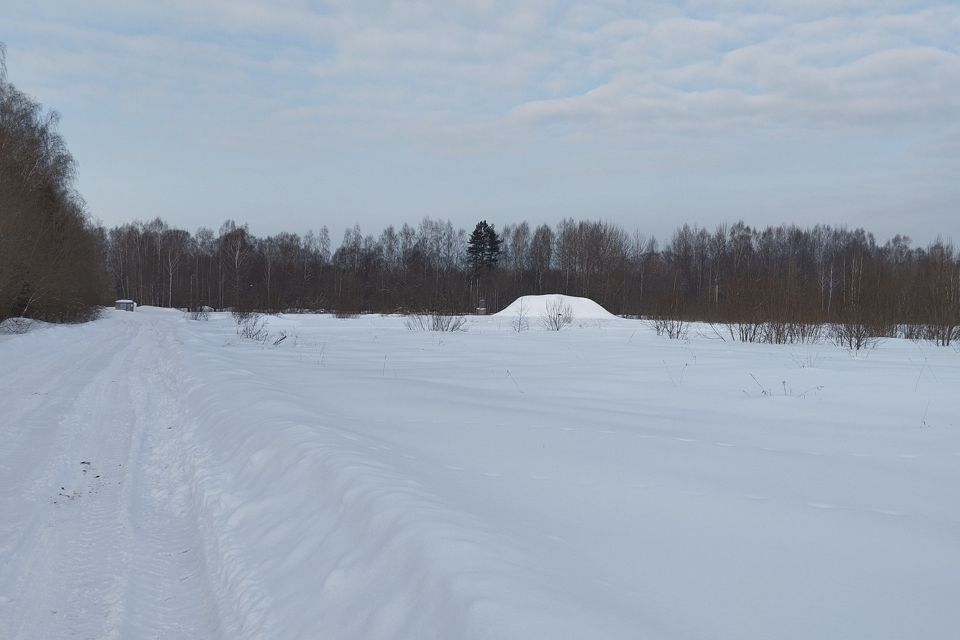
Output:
[[161, 478]]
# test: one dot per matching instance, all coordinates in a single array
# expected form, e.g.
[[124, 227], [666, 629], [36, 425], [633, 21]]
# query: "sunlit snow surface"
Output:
[[160, 477]]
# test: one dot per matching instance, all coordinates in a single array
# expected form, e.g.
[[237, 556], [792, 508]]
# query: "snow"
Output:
[[360, 480], [21, 325], [536, 306]]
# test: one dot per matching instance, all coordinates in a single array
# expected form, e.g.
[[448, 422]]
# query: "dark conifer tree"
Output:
[[491, 253], [483, 247], [477, 247]]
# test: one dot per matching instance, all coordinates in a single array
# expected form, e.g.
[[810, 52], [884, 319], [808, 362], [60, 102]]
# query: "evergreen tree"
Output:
[[477, 247], [491, 253], [483, 247]]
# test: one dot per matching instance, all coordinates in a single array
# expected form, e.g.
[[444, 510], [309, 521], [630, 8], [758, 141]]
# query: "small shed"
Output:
[[126, 305]]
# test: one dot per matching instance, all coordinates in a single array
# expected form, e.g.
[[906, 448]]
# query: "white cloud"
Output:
[[488, 77], [837, 72], [605, 67]]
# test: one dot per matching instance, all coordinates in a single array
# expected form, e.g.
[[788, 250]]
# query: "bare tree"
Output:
[[520, 322], [941, 306], [541, 255]]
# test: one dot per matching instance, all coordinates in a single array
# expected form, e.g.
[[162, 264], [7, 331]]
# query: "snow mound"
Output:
[[583, 308], [22, 325]]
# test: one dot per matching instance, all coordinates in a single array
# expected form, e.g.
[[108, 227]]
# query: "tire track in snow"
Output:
[[106, 557], [51, 568], [171, 597]]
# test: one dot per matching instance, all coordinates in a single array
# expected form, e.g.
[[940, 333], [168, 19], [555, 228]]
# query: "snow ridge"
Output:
[[371, 553]]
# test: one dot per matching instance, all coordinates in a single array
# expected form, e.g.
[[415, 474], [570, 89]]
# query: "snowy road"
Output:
[[98, 539], [161, 478]]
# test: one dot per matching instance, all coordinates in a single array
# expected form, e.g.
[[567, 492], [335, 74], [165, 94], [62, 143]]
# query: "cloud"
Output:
[[606, 81], [844, 74], [598, 67]]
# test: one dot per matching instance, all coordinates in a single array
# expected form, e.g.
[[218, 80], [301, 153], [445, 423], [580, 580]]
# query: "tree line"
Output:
[[51, 256], [775, 284]]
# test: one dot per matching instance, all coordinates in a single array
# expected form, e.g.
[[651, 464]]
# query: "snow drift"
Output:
[[534, 306]]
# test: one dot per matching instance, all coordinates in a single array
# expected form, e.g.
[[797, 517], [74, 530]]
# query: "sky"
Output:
[[292, 115]]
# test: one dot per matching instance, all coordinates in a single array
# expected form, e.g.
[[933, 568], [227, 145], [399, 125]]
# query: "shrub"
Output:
[[558, 315], [252, 326], [673, 328], [853, 335], [435, 322]]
